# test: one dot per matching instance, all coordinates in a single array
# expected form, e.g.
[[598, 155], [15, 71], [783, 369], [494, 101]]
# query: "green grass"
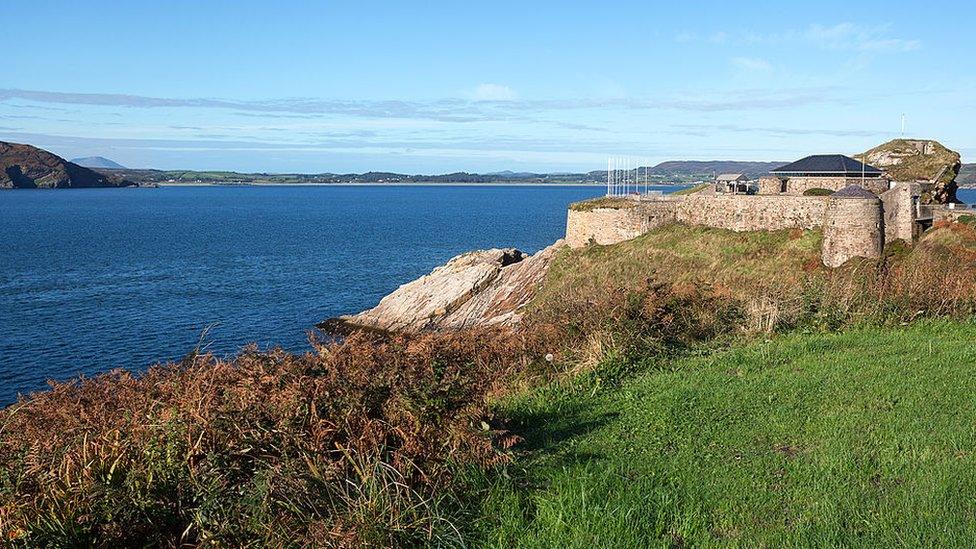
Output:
[[863, 438], [610, 202], [693, 189]]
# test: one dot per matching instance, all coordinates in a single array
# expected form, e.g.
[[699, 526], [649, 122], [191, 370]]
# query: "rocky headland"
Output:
[[480, 288], [28, 167], [919, 160]]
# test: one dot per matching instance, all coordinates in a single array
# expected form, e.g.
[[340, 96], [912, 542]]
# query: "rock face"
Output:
[[912, 160], [482, 288], [27, 167]]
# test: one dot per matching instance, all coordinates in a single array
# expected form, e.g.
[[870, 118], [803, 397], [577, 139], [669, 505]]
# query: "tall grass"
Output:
[[704, 284], [349, 445]]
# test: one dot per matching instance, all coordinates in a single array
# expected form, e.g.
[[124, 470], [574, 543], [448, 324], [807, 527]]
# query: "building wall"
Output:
[[799, 185], [770, 184], [899, 212]]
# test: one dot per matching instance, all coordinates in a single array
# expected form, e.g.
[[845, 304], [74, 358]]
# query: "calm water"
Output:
[[100, 278]]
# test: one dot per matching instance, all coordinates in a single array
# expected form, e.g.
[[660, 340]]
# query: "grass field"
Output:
[[862, 438]]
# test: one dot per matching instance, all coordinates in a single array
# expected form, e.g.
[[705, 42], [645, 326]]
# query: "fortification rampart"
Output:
[[854, 224], [752, 213], [629, 218], [617, 223]]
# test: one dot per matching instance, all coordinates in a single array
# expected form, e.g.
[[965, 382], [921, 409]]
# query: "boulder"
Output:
[[482, 288]]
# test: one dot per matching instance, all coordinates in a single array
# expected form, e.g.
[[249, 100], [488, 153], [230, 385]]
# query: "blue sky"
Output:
[[428, 87]]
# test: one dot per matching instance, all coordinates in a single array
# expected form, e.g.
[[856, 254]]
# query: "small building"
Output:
[[830, 172], [732, 183]]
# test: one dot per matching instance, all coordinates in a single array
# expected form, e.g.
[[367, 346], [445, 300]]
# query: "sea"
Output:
[[97, 279]]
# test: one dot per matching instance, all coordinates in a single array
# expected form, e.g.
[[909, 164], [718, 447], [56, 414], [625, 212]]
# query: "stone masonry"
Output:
[[856, 222], [771, 184]]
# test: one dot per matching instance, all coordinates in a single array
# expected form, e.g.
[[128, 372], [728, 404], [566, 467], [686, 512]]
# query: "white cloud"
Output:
[[754, 64], [719, 37], [849, 36], [494, 92], [844, 36]]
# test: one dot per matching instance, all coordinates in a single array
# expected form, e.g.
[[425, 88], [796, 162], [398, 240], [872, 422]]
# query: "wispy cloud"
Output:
[[843, 36], [494, 92], [852, 37], [704, 129], [443, 110], [753, 64]]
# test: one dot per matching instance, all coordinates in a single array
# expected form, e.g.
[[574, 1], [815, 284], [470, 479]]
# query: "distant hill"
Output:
[[27, 167], [663, 173], [967, 176], [708, 169], [98, 162]]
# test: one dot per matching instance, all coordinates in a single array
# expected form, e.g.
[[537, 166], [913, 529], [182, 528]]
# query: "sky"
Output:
[[436, 87]]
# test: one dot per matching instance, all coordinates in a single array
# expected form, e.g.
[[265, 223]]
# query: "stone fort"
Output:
[[857, 206]]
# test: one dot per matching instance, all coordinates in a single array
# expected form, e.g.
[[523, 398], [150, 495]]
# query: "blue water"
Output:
[[95, 279]]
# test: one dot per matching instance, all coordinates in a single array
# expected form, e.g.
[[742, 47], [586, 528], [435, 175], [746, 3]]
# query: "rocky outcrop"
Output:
[[27, 167], [919, 160], [482, 288]]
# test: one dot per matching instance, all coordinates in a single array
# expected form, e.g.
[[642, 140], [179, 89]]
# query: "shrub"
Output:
[[347, 445], [816, 191]]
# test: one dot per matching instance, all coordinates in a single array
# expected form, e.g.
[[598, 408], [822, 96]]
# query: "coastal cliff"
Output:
[[481, 288], [28, 167], [920, 160]]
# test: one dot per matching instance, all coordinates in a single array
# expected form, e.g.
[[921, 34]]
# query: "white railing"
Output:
[[627, 176]]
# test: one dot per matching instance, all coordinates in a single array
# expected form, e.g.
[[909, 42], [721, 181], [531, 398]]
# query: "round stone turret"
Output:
[[854, 226]]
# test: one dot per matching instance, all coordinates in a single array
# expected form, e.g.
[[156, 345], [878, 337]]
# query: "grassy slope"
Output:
[[864, 437], [918, 166]]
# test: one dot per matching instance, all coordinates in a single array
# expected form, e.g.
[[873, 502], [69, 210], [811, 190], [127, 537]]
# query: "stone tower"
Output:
[[854, 226]]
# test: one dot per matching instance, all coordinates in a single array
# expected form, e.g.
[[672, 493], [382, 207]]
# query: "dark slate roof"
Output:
[[854, 191], [828, 164]]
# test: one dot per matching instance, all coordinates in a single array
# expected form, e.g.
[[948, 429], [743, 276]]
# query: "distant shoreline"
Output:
[[419, 184]]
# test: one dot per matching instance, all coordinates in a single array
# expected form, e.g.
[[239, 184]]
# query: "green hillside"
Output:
[[861, 438]]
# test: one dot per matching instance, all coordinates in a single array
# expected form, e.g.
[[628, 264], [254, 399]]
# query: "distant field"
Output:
[[863, 438]]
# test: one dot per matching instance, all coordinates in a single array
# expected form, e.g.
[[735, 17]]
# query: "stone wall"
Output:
[[770, 184], [611, 225], [753, 213], [853, 227], [945, 213], [799, 185], [899, 212], [737, 213]]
